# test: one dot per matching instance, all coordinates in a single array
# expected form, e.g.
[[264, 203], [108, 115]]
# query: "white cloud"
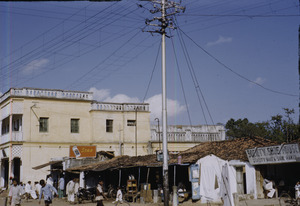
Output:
[[258, 80], [103, 95], [173, 107], [35, 65], [122, 98], [100, 94], [221, 40]]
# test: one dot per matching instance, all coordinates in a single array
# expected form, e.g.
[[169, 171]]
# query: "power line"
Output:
[[95, 67], [194, 77], [234, 72], [245, 15], [181, 82], [37, 54], [151, 76]]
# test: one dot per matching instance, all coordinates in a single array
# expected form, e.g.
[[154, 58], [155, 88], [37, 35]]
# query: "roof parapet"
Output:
[[47, 93]]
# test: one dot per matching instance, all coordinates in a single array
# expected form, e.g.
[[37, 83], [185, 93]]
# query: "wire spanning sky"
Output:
[[227, 59]]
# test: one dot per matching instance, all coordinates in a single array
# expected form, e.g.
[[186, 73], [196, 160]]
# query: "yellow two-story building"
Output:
[[40, 124]]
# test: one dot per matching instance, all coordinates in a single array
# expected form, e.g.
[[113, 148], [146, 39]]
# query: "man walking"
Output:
[[46, 190], [61, 187], [15, 193], [100, 194]]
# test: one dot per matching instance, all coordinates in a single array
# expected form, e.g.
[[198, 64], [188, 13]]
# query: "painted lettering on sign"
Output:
[[274, 154], [82, 151]]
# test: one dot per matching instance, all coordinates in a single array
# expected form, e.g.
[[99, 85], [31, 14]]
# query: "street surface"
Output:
[[260, 202]]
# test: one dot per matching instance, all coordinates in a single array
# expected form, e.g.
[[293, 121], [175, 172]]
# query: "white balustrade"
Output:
[[47, 93], [120, 107], [189, 133], [16, 136]]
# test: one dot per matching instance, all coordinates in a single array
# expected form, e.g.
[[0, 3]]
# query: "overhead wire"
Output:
[[29, 42], [96, 66], [230, 12], [117, 67], [61, 64], [234, 72], [151, 76], [181, 82], [106, 24], [196, 85], [43, 46]]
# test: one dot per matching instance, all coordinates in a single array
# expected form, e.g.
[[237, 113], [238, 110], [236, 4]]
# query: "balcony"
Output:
[[16, 136], [189, 133], [184, 137], [121, 107]]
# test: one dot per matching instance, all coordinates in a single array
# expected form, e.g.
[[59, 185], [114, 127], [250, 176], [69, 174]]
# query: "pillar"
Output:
[[81, 180], [10, 174], [175, 197]]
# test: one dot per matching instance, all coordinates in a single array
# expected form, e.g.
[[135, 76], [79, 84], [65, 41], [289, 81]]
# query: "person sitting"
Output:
[[182, 195], [37, 187], [268, 188], [29, 192]]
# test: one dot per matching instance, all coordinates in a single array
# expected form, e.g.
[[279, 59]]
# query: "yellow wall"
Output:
[[39, 147]]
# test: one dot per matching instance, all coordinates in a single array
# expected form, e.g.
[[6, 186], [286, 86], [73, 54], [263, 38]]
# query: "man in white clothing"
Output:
[[71, 191], [15, 193], [37, 187], [29, 191], [119, 197], [49, 180]]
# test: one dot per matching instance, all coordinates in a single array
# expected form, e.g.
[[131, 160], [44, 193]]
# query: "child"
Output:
[[119, 197]]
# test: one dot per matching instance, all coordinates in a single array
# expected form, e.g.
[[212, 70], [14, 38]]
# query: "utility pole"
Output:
[[299, 69], [164, 21]]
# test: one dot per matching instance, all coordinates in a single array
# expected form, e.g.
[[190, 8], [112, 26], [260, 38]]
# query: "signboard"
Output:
[[160, 156], [284, 153], [82, 151], [194, 176]]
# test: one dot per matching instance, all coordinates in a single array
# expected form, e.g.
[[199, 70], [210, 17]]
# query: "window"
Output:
[[109, 125], [130, 122], [74, 125], [44, 124]]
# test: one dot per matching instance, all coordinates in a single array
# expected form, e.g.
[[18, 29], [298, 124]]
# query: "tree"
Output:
[[243, 128], [279, 128], [284, 129]]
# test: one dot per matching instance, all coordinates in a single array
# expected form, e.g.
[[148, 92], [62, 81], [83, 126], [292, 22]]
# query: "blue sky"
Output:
[[101, 47]]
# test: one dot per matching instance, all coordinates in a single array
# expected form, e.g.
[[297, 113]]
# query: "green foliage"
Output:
[[279, 128], [243, 128]]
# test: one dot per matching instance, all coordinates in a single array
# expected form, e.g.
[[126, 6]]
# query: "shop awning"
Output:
[[46, 164]]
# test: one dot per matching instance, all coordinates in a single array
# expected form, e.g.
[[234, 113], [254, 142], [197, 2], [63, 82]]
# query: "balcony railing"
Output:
[[124, 107], [47, 93], [15, 137], [182, 133], [184, 137]]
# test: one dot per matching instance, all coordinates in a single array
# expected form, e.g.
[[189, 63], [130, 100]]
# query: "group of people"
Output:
[[17, 190], [45, 189]]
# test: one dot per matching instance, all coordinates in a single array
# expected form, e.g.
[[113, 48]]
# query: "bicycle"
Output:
[[285, 197]]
